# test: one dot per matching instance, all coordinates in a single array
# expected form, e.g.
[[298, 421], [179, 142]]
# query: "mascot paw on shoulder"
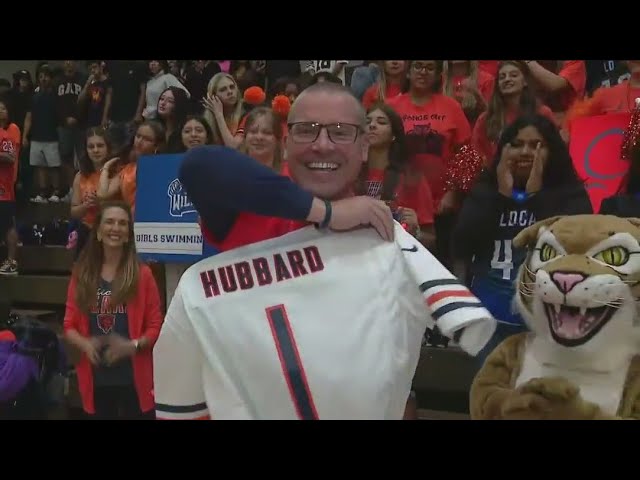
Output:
[[578, 290]]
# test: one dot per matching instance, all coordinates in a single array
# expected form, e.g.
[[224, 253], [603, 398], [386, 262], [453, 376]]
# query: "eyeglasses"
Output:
[[308, 132], [421, 67]]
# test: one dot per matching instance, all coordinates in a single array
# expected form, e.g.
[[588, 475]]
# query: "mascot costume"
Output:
[[578, 291]]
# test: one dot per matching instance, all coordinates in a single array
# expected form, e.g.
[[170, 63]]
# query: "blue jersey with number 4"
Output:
[[495, 271]]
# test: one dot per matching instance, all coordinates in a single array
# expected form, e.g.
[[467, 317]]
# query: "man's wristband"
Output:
[[327, 215]]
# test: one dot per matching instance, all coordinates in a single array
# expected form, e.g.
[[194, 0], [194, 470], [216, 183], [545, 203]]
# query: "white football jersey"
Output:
[[310, 325]]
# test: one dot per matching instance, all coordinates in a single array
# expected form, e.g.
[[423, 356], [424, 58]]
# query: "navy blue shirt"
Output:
[[487, 225], [105, 320]]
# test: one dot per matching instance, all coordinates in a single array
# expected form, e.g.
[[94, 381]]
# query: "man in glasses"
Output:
[[310, 325]]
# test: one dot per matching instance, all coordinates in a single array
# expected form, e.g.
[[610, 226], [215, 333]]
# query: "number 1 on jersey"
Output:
[[291, 363]]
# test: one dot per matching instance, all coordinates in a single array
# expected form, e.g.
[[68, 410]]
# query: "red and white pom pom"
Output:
[[630, 139], [463, 169]]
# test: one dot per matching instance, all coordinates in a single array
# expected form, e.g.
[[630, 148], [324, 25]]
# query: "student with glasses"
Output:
[[436, 128]]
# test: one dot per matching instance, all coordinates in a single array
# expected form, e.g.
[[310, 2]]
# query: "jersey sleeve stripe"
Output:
[[182, 412], [163, 407], [170, 417], [424, 287], [442, 311], [189, 409], [446, 295]]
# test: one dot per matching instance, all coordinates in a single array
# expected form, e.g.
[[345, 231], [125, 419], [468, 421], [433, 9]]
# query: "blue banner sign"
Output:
[[166, 223]]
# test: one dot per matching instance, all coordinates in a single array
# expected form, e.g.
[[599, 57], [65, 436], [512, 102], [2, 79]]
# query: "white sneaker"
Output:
[[39, 199], [54, 198], [9, 267]]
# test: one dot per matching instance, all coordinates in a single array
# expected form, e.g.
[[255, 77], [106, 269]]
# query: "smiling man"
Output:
[[311, 324]]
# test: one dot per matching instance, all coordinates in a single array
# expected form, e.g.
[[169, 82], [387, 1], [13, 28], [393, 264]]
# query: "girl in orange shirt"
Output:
[[118, 176], [512, 97], [84, 203], [393, 76]]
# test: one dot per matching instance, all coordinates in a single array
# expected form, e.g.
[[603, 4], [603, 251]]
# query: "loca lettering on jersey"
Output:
[[260, 271], [517, 218]]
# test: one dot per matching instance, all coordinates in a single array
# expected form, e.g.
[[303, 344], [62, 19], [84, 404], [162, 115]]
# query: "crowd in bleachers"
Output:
[[456, 147]]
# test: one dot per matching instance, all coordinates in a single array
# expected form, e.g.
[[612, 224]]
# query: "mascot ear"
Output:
[[529, 236]]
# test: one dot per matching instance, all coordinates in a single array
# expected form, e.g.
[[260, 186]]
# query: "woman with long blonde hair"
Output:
[[224, 109], [113, 317], [393, 78]]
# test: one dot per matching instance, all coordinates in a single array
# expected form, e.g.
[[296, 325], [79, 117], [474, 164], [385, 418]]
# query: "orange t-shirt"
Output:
[[416, 197], [9, 143], [434, 131], [128, 184], [88, 185], [617, 99], [486, 147], [371, 94]]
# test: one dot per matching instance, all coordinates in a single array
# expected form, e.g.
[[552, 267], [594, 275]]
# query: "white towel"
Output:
[[453, 308]]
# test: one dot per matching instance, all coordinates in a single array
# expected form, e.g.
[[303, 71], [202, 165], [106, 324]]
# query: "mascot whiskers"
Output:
[[578, 291]]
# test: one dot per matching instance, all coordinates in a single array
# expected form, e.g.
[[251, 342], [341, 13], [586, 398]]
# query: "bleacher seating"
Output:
[[40, 289]]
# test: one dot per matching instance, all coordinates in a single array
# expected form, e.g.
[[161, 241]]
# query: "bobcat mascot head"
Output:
[[580, 283]]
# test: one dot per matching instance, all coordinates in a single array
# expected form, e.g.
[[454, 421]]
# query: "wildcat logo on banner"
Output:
[[166, 223], [595, 149]]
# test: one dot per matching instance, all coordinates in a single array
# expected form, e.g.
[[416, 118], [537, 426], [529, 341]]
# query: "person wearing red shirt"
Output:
[[388, 176], [559, 83], [9, 153], [113, 317], [512, 97], [620, 98], [436, 128], [393, 76]]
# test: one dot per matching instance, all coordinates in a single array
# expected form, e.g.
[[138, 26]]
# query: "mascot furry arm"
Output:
[[577, 291]]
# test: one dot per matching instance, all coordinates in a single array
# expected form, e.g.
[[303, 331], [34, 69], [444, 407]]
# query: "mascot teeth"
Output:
[[573, 323]]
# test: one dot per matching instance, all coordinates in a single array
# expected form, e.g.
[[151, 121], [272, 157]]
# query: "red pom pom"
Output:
[[630, 139], [281, 105], [254, 96], [463, 169]]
